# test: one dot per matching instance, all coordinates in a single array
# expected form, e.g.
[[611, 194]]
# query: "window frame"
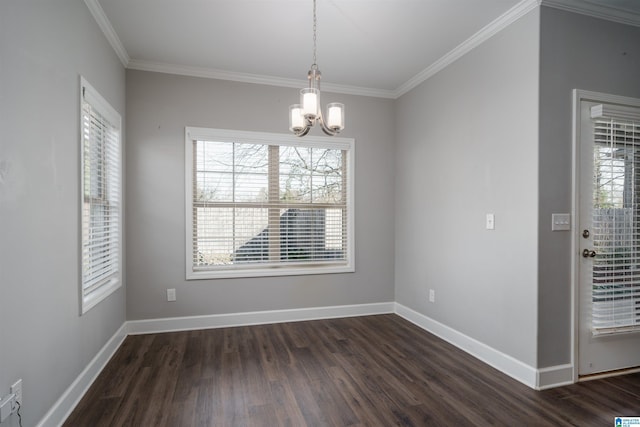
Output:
[[209, 134], [113, 281]]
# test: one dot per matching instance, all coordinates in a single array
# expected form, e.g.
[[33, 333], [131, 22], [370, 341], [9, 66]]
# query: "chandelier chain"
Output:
[[314, 32]]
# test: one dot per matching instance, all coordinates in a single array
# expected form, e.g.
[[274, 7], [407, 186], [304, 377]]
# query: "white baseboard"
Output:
[[255, 318], [538, 379], [61, 410], [501, 361], [554, 376]]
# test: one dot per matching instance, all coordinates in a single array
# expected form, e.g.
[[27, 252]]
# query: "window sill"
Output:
[[231, 273], [99, 295]]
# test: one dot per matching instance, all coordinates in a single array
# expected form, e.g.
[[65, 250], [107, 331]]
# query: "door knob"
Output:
[[588, 254]]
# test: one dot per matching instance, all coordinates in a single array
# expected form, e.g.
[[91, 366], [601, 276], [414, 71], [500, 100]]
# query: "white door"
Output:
[[608, 287]]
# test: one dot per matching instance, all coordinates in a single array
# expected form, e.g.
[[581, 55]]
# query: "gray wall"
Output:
[[44, 48], [467, 146], [576, 52], [159, 106]]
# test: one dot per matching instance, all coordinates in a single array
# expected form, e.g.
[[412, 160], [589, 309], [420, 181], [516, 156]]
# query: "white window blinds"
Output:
[[259, 205], [616, 221], [100, 197]]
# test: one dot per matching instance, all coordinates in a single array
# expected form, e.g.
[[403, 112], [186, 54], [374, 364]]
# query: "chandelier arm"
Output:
[[305, 130], [328, 131], [308, 124], [325, 128]]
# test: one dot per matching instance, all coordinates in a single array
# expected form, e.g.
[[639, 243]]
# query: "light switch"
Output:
[[560, 222], [491, 221]]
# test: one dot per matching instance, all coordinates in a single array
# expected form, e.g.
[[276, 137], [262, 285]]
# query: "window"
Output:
[[101, 199], [263, 204], [616, 223]]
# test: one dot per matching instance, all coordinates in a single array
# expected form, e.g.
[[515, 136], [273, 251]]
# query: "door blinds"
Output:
[[616, 220]]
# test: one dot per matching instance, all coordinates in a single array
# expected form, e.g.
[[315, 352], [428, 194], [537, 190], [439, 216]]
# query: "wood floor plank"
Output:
[[234, 408], [134, 403], [362, 371], [287, 410], [361, 402]]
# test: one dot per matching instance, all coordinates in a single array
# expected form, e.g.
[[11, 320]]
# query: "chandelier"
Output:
[[303, 116]]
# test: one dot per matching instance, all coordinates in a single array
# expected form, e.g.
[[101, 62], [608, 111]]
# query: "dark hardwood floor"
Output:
[[362, 371]]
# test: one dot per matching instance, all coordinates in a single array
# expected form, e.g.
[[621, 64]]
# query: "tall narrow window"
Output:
[[267, 204], [101, 198]]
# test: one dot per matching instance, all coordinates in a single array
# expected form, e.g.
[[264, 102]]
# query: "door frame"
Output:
[[579, 96]]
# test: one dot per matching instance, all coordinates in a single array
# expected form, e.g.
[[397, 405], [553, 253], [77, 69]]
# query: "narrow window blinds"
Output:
[[100, 197]]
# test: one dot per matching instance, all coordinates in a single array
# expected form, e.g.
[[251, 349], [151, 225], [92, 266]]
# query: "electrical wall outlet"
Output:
[[432, 295], [16, 389], [491, 221]]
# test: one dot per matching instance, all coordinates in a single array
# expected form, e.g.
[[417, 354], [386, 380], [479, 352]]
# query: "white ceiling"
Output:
[[375, 47]]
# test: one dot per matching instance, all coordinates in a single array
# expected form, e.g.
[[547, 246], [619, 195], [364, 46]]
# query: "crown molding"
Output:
[[106, 27], [471, 43], [586, 7], [480, 37], [184, 70], [494, 27]]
